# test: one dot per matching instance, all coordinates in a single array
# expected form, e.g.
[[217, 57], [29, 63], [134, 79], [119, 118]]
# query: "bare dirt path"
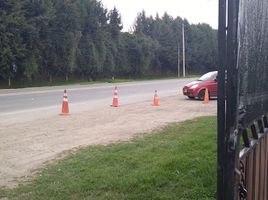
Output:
[[26, 146]]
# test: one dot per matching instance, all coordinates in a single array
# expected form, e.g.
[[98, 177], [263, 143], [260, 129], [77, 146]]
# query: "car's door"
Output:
[[214, 87]]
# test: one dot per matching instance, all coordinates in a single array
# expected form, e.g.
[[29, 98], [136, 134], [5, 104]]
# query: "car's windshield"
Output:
[[207, 76]]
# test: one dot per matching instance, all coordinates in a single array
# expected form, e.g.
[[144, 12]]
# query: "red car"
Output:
[[197, 88]]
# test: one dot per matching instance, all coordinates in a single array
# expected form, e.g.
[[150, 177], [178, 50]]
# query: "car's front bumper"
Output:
[[188, 92]]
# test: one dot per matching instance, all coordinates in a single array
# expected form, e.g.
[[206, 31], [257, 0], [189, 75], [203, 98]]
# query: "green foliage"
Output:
[[51, 39], [201, 43], [203, 48], [115, 23], [178, 162], [11, 45]]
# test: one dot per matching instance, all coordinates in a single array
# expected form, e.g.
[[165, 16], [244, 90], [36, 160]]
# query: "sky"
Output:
[[195, 11]]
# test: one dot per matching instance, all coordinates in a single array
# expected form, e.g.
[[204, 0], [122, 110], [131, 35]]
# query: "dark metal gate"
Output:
[[243, 100]]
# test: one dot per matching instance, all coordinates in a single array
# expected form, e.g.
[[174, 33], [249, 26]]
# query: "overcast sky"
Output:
[[194, 11]]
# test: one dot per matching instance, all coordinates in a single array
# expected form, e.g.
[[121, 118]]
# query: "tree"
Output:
[[203, 54], [47, 39], [115, 23], [11, 45], [92, 49], [36, 35], [68, 34]]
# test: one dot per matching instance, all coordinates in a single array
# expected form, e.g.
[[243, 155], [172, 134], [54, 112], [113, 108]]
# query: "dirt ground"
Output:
[[27, 146]]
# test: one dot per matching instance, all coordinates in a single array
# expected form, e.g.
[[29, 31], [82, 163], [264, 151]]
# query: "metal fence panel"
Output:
[[243, 100], [252, 59]]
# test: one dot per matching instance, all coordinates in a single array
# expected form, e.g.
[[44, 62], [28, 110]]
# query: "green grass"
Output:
[[178, 162], [25, 84]]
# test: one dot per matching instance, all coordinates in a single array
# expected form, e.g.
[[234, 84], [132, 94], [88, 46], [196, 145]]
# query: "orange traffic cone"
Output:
[[206, 98], [65, 106], [156, 100], [115, 99]]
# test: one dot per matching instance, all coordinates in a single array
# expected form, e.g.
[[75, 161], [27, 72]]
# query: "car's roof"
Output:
[[212, 72]]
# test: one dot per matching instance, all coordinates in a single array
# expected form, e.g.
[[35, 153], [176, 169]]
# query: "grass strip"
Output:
[[177, 162], [27, 84]]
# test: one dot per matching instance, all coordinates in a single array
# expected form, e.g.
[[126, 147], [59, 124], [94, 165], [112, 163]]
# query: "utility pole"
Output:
[[179, 73], [183, 49]]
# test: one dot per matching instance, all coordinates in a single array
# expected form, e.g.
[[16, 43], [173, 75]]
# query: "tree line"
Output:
[[49, 39]]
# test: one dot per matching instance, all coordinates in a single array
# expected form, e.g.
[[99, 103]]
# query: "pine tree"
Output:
[[115, 23]]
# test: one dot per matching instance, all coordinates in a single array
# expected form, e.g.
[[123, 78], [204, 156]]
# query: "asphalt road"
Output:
[[92, 96]]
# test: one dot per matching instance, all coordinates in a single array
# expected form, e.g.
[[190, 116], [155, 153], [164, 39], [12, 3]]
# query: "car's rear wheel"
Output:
[[201, 95]]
